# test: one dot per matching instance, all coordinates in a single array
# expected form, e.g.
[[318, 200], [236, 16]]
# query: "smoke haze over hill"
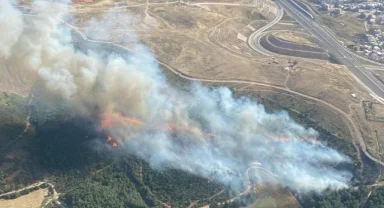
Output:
[[203, 131]]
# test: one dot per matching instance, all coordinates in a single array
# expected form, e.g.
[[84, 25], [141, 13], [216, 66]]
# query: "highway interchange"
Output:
[[329, 42]]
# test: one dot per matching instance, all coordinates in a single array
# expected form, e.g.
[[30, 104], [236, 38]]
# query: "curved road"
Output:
[[332, 44], [258, 33], [353, 127], [328, 42], [270, 53]]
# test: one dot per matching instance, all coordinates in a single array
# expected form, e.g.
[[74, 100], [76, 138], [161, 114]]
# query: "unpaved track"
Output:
[[26, 127], [24, 188], [193, 204]]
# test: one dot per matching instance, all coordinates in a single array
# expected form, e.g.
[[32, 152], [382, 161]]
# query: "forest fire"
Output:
[[112, 142], [112, 119]]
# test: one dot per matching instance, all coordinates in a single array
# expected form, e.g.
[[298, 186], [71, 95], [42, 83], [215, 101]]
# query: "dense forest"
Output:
[[69, 152], [108, 178]]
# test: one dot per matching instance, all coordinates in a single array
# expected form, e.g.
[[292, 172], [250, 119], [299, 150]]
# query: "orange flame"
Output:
[[110, 119], [106, 122], [133, 120], [111, 141]]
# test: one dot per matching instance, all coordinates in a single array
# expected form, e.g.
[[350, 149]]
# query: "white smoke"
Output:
[[134, 86]]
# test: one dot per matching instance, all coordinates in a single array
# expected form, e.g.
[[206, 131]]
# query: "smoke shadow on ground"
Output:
[[66, 146]]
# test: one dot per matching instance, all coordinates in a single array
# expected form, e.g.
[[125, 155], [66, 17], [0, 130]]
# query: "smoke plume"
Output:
[[204, 131]]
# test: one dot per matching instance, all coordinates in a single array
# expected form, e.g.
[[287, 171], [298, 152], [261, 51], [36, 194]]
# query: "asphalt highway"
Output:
[[333, 46], [253, 40]]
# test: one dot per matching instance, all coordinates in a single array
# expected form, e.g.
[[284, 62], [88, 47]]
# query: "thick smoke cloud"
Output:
[[281, 150]]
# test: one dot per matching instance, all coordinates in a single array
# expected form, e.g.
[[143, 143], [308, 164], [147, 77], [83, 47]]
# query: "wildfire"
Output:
[[111, 119], [112, 142], [132, 120], [173, 127], [287, 139], [118, 118], [106, 122]]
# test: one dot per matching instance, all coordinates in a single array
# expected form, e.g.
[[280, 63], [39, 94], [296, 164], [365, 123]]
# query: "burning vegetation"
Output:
[[181, 121], [111, 120]]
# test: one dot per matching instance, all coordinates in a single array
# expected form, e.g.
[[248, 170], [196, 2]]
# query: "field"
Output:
[[274, 197], [34, 199]]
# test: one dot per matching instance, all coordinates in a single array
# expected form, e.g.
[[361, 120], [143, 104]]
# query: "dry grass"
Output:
[[345, 26], [31, 200], [200, 60], [298, 38], [380, 138], [374, 112], [332, 83], [378, 110], [273, 196], [16, 81], [319, 114]]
